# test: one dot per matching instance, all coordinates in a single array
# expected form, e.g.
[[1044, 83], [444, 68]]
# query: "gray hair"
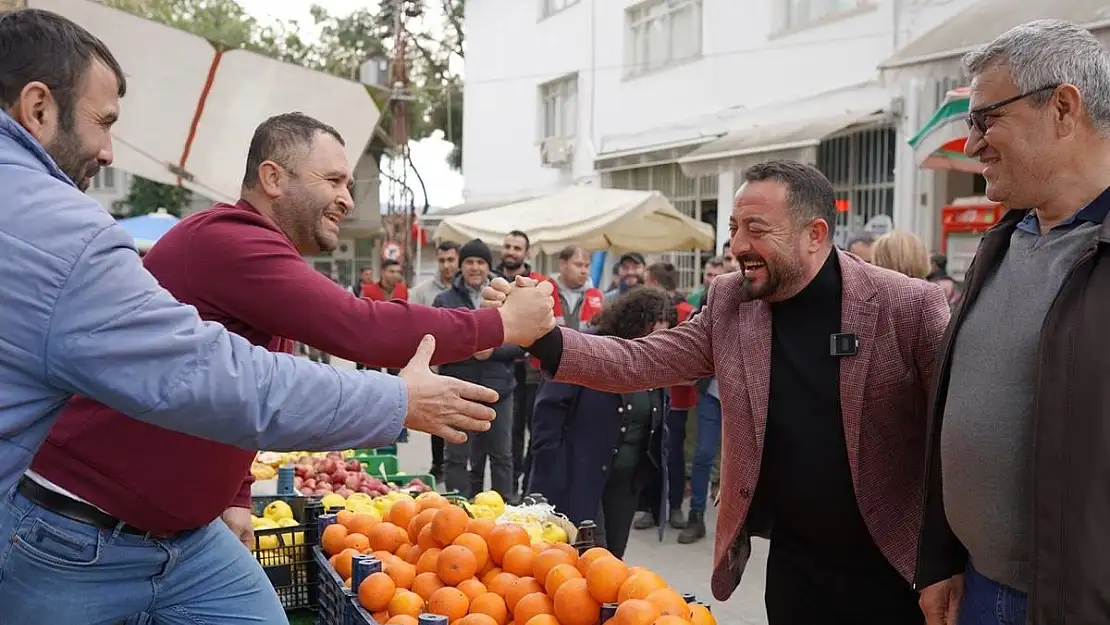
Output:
[[1043, 53]]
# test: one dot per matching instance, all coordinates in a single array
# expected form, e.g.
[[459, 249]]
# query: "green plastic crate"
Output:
[[377, 465], [388, 450]]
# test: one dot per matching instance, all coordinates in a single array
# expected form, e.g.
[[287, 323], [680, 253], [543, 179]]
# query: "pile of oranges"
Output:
[[436, 559]]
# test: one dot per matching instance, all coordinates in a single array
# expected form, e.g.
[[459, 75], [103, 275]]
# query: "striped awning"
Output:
[[939, 144]]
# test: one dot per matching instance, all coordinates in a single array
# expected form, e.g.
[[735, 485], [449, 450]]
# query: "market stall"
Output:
[[147, 229]]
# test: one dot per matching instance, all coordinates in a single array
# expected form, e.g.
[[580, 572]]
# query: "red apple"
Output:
[[342, 491], [329, 465], [352, 482], [338, 476], [323, 487], [354, 465], [298, 482]]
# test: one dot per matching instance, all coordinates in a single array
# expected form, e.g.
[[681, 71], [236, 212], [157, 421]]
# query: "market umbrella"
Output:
[[147, 229], [939, 144]]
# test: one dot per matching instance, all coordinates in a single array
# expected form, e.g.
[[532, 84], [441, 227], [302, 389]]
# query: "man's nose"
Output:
[[975, 142], [106, 155]]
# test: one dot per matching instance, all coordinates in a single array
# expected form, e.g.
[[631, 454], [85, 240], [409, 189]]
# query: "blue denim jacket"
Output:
[[79, 314]]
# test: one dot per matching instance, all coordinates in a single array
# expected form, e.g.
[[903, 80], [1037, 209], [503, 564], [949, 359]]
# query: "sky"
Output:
[[429, 155]]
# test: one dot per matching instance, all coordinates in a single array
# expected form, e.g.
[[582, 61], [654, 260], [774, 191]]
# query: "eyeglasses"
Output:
[[977, 119]]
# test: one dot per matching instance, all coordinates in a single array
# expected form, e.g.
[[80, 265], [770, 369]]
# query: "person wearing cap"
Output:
[[630, 273], [492, 368]]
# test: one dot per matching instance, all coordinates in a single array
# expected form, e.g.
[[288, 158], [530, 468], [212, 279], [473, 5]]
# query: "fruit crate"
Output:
[[289, 565], [334, 599], [378, 464], [388, 450], [358, 615]]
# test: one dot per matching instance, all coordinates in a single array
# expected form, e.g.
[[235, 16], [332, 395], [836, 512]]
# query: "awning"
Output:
[[190, 112], [939, 144], [593, 218], [788, 131], [147, 229], [936, 54]]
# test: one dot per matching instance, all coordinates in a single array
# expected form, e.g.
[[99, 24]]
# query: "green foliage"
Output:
[[146, 196]]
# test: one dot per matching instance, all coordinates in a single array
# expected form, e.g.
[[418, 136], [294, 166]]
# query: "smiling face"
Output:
[[514, 252], [777, 255], [475, 272], [1018, 145], [313, 196]]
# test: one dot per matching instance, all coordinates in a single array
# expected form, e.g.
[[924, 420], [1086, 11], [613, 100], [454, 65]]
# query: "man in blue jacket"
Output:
[[492, 368], [81, 315]]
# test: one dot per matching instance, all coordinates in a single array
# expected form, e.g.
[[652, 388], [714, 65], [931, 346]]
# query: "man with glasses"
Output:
[[1016, 512]]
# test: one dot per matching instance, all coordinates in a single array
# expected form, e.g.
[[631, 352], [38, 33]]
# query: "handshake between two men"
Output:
[[448, 407]]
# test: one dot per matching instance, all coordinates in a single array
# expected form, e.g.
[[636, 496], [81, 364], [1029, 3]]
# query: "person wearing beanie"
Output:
[[492, 368]]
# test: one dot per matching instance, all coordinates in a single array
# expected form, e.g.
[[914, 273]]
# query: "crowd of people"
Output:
[[914, 453]]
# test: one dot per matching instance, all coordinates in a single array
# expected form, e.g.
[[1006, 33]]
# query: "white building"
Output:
[[681, 95]]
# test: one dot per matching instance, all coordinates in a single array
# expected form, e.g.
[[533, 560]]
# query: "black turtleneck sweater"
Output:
[[805, 480]]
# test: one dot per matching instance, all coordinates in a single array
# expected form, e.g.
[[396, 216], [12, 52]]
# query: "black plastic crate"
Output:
[[358, 615], [289, 565], [334, 599]]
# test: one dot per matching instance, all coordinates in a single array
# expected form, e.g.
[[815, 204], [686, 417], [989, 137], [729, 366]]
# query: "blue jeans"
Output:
[[990, 603], [55, 570], [705, 449], [676, 457]]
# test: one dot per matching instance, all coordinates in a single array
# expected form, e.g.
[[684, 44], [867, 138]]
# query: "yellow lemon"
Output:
[[291, 538], [278, 510], [552, 533], [333, 502]]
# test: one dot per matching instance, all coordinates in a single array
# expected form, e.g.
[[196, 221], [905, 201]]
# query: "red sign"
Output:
[[392, 250]]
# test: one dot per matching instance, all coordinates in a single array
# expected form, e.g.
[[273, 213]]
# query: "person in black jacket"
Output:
[[595, 453], [492, 368]]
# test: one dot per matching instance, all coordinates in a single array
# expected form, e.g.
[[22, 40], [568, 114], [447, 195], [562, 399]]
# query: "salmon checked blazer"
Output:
[[883, 389]]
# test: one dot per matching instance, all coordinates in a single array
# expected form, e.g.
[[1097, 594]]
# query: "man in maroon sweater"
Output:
[[149, 494]]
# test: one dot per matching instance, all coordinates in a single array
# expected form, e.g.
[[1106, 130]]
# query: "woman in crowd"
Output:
[[903, 252], [594, 452]]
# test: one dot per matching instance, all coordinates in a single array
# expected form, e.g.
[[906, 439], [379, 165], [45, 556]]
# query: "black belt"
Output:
[[78, 511]]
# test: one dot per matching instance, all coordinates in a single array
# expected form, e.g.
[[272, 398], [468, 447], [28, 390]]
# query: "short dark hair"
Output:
[[940, 260], [447, 246], [663, 274], [370, 269], [631, 314], [569, 251], [283, 139], [37, 45], [716, 261], [521, 234], [809, 194], [389, 262]]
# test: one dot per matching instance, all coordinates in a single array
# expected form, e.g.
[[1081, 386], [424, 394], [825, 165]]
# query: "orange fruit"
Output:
[[425, 540], [605, 577], [331, 539], [406, 602], [432, 500], [402, 572], [567, 549], [492, 605], [418, 522], [477, 545], [424, 584], [428, 560], [543, 619], [546, 560], [636, 612], [639, 586], [574, 605], [403, 552], [481, 527], [386, 537], [700, 615], [343, 517], [670, 603], [343, 564], [471, 588], [455, 564], [670, 619], [401, 619], [505, 536], [402, 512], [558, 576], [593, 553], [450, 602], [540, 546], [532, 604], [448, 523], [483, 570], [476, 619], [361, 523], [488, 575], [381, 616], [501, 583], [517, 591], [375, 591], [412, 554], [518, 560], [358, 542]]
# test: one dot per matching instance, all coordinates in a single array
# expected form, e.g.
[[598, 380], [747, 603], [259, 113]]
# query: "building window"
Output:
[[860, 166], [795, 14], [693, 197], [104, 180], [551, 7], [559, 108], [662, 33]]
